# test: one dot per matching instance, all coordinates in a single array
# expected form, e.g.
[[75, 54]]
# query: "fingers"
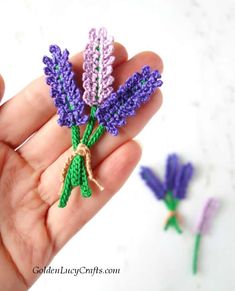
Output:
[[63, 223], [22, 115], [42, 150], [136, 63], [2, 87], [50, 179]]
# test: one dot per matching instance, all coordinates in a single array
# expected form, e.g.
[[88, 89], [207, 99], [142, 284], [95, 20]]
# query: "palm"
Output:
[[31, 224]]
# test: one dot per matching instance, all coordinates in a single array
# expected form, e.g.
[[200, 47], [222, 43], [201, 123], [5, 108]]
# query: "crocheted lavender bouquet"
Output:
[[108, 110], [173, 189]]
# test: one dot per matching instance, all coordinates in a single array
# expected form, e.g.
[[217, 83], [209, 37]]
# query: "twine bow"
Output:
[[85, 152]]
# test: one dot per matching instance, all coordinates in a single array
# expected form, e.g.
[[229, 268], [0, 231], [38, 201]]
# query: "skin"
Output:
[[31, 224]]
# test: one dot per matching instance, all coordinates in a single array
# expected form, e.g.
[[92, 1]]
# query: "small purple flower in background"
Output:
[[207, 215], [98, 60], [173, 189], [64, 91], [128, 98], [182, 179], [203, 226], [172, 168], [153, 182]]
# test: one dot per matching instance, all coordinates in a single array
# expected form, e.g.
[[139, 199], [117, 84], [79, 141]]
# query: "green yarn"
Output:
[[196, 252], [90, 125], [75, 134], [76, 171], [66, 191], [85, 188], [76, 174], [96, 135], [172, 203], [174, 223]]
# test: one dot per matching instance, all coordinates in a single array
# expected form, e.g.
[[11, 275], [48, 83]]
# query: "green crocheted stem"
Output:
[[196, 252], [171, 201], [66, 191], [72, 178], [76, 171], [173, 222], [85, 188], [96, 135], [90, 126], [172, 204], [76, 175], [75, 135], [84, 185]]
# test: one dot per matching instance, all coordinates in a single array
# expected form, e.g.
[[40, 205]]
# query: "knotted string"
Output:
[[83, 151], [172, 219], [171, 214]]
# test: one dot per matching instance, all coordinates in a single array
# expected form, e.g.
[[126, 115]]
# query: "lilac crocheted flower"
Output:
[[98, 60], [172, 168], [182, 179], [128, 98], [65, 93], [208, 212], [153, 182]]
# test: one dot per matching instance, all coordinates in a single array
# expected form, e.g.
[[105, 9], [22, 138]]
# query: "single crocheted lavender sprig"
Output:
[[98, 60], [65, 93], [128, 98], [203, 226], [173, 189]]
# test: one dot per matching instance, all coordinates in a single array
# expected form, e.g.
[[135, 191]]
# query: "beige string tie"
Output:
[[85, 152], [171, 214]]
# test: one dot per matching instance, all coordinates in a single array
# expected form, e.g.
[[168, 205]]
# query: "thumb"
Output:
[[2, 87]]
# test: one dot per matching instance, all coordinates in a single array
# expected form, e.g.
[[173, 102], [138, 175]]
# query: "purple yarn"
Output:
[[172, 168], [208, 213], [65, 93], [128, 98], [153, 182], [182, 179], [98, 60]]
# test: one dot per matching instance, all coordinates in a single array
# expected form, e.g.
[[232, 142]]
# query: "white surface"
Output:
[[196, 41]]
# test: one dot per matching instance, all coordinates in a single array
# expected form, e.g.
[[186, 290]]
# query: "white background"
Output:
[[196, 41]]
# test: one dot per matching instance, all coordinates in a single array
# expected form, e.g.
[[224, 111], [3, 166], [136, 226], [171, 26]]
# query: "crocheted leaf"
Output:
[[128, 98], [98, 60], [153, 182], [172, 168], [65, 93], [182, 180]]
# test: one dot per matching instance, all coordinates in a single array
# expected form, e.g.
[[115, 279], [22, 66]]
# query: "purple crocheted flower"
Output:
[[64, 91], [128, 98], [98, 60], [182, 179], [153, 182], [172, 168]]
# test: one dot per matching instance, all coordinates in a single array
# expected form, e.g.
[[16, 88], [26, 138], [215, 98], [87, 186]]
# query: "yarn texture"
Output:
[[108, 110]]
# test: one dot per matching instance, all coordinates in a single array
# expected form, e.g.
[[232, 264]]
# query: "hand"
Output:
[[33, 149]]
